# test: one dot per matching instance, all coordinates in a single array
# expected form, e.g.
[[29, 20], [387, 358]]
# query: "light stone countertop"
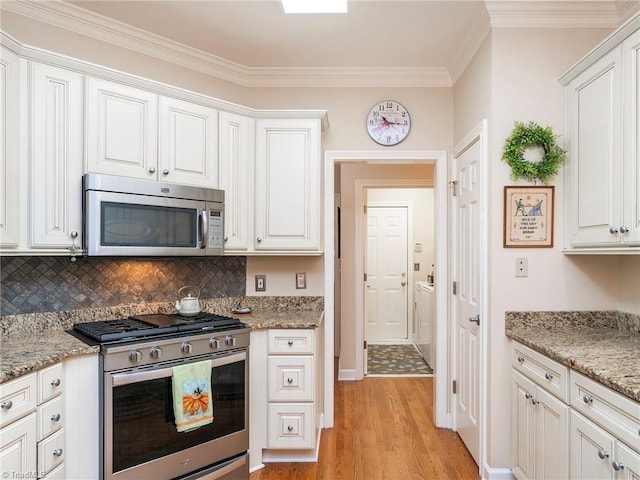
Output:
[[604, 346], [31, 342]]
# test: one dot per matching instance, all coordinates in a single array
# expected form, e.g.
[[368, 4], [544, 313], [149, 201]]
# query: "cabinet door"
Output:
[[591, 449], [631, 138], [594, 153], [552, 436], [18, 447], [236, 179], [122, 130], [188, 143], [9, 81], [287, 203], [522, 427], [626, 463], [56, 156]]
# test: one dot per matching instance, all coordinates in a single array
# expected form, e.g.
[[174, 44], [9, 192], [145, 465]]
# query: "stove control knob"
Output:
[[214, 343], [186, 348], [156, 353], [135, 356], [230, 340]]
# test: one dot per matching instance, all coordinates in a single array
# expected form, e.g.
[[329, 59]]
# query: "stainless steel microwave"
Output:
[[130, 217]]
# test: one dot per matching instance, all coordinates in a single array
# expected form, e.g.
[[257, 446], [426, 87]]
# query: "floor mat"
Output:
[[395, 360]]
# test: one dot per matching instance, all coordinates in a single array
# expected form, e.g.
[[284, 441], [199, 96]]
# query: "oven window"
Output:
[[126, 224], [144, 426]]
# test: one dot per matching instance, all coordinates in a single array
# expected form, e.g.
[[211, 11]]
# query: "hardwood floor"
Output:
[[383, 431]]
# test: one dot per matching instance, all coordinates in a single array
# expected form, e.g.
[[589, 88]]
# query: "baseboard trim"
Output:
[[347, 375], [497, 473]]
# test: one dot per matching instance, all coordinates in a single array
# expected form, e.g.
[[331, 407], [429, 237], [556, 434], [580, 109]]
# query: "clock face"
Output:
[[388, 123]]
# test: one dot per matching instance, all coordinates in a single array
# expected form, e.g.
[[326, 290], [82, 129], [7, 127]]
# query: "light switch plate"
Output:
[[261, 283]]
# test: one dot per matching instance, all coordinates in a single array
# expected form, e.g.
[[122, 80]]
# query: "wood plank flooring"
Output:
[[383, 431]]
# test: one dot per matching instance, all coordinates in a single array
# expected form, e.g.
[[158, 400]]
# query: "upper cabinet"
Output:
[[602, 177]]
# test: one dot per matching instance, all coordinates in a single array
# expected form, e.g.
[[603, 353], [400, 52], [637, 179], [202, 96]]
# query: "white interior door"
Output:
[[386, 270], [467, 300]]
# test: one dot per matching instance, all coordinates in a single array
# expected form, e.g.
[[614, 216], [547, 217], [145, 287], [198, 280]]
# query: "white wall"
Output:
[[281, 275]]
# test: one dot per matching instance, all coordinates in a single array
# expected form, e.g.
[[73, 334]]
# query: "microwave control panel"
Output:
[[216, 229]]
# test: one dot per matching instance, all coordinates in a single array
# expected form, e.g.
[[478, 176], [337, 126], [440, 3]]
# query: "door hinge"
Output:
[[454, 288], [365, 277], [365, 344], [454, 185], [455, 385], [364, 207]]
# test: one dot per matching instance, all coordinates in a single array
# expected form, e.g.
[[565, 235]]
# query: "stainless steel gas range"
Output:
[[139, 438]]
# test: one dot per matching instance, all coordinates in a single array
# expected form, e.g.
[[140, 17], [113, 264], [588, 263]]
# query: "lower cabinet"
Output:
[[582, 431]]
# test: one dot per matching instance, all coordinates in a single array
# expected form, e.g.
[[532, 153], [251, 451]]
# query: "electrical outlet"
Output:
[[522, 267], [261, 283]]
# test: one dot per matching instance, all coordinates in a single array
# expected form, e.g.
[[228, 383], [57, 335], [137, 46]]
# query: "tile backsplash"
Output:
[[50, 284]]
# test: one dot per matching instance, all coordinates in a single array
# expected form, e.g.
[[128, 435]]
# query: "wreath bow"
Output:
[[532, 135]]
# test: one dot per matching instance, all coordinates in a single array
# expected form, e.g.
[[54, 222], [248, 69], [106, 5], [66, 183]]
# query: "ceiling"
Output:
[[250, 41]]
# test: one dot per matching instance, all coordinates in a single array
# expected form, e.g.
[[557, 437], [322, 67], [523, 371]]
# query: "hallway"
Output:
[[383, 431]]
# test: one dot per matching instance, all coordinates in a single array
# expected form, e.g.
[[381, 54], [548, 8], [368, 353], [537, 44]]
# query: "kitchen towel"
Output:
[[192, 404]]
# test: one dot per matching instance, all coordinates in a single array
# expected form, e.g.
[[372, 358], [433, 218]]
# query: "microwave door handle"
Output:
[[204, 228]]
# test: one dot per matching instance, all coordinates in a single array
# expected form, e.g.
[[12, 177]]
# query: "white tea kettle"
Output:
[[187, 303]]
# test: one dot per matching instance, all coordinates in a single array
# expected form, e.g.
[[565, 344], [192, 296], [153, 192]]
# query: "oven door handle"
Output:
[[120, 379]]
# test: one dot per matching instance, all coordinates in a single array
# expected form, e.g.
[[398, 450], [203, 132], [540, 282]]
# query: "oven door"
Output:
[[140, 436]]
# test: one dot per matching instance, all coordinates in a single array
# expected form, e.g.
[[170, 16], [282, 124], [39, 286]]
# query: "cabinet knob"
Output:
[[152, 169], [259, 239], [6, 405], [289, 342], [520, 359], [289, 380], [534, 401], [603, 454], [403, 283], [548, 376], [55, 417], [226, 239], [165, 171], [617, 465], [55, 383], [57, 452], [623, 229], [613, 230], [527, 395], [74, 234], [290, 428], [587, 399]]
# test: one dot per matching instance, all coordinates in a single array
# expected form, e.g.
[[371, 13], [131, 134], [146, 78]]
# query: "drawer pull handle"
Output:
[[6, 405], [534, 401], [548, 376], [290, 342], [289, 380], [57, 452], [528, 395], [587, 399], [520, 359], [55, 383], [617, 465], [290, 428], [55, 417], [603, 454]]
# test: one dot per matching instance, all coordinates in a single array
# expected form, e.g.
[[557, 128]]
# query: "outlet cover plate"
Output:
[[261, 283]]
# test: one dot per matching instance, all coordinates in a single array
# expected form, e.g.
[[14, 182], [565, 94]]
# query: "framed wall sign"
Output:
[[528, 217]]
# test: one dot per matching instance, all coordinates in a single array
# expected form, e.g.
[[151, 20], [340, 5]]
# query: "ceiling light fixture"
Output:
[[314, 6]]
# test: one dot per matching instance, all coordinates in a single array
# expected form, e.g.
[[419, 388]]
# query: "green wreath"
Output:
[[532, 135]]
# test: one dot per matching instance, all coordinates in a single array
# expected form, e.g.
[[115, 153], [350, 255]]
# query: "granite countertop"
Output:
[[30, 342], [21, 356], [604, 346]]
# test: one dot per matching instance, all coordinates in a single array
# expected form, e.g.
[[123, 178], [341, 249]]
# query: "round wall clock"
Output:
[[388, 122]]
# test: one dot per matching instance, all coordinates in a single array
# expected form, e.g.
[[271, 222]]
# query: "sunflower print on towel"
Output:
[[195, 398]]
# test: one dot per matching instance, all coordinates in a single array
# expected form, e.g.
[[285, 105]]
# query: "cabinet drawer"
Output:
[[549, 374], [290, 426], [290, 341], [290, 378], [615, 413], [50, 417], [56, 474], [17, 398], [49, 382], [51, 452]]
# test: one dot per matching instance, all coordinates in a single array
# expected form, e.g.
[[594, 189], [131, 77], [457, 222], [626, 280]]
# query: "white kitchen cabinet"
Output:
[[188, 143], [237, 143], [602, 179], [56, 157], [539, 428], [287, 186], [17, 447], [121, 129], [9, 123]]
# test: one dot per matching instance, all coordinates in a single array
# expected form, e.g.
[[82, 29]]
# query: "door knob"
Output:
[[475, 319], [403, 283]]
